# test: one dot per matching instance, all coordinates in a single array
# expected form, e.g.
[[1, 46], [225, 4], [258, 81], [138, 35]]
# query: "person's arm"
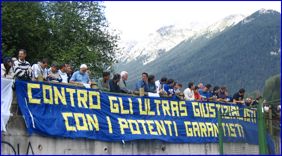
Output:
[[125, 90], [45, 74], [73, 79], [89, 80], [138, 86], [99, 84], [60, 78], [29, 70], [235, 97], [238, 101], [35, 72]]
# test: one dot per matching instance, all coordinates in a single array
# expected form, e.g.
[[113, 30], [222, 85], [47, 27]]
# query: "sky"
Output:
[[136, 19]]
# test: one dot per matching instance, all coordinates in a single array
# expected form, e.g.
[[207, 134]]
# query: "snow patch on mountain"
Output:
[[266, 11], [157, 43], [221, 25], [167, 37]]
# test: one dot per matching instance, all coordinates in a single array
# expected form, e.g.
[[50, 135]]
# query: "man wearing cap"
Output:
[[81, 76]]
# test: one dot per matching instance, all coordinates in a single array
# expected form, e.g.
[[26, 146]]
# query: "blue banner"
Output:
[[76, 112]]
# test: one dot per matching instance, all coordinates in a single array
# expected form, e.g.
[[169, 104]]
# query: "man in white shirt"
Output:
[[189, 92], [63, 73], [39, 70], [160, 83]]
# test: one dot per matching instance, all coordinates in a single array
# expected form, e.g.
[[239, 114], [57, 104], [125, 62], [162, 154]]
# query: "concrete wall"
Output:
[[18, 138], [17, 141]]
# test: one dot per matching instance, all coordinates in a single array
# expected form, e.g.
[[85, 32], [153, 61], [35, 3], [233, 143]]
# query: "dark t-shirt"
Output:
[[114, 87], [238, 97]]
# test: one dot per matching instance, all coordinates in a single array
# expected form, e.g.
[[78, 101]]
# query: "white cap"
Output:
[[83, 66]]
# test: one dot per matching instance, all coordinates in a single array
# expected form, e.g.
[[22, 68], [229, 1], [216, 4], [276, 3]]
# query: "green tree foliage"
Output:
[[272, 88], [64, 32], [23, 26]]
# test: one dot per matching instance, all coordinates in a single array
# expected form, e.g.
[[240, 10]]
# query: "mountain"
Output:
[[243, 54], [156, 43], [167, 37]]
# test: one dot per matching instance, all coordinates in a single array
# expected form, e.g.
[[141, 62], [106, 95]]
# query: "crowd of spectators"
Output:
[[19, 68]]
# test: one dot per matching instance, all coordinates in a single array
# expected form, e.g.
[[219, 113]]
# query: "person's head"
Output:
[[207, 87], [242, 91], [170, 82], [196, 89], [124, 75], [83, 68], [69, 69], [248, 100], [201, 86], [151, 79], [178, 86], [223, 89], [54, 68], [63, 67], [163, 80], [191, 85], [7, 61], [216, 89], [106, 75], [22, 54], [145, 76], [44, 63], [116, 78]]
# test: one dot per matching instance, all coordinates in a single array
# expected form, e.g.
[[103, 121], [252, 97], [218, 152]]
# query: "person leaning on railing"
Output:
[[197, 95], [81, 77], [143, 83], [123, 84], [151, 84], [160, 84], [53, 74], [39, 70], [114, 84], [189, 92], [223, 94], [178, 92], [63, 73], [168, 88], [238, 97], [103, 82], [206, 95]]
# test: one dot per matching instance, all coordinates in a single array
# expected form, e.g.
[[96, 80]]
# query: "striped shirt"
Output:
[[22, 70]]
